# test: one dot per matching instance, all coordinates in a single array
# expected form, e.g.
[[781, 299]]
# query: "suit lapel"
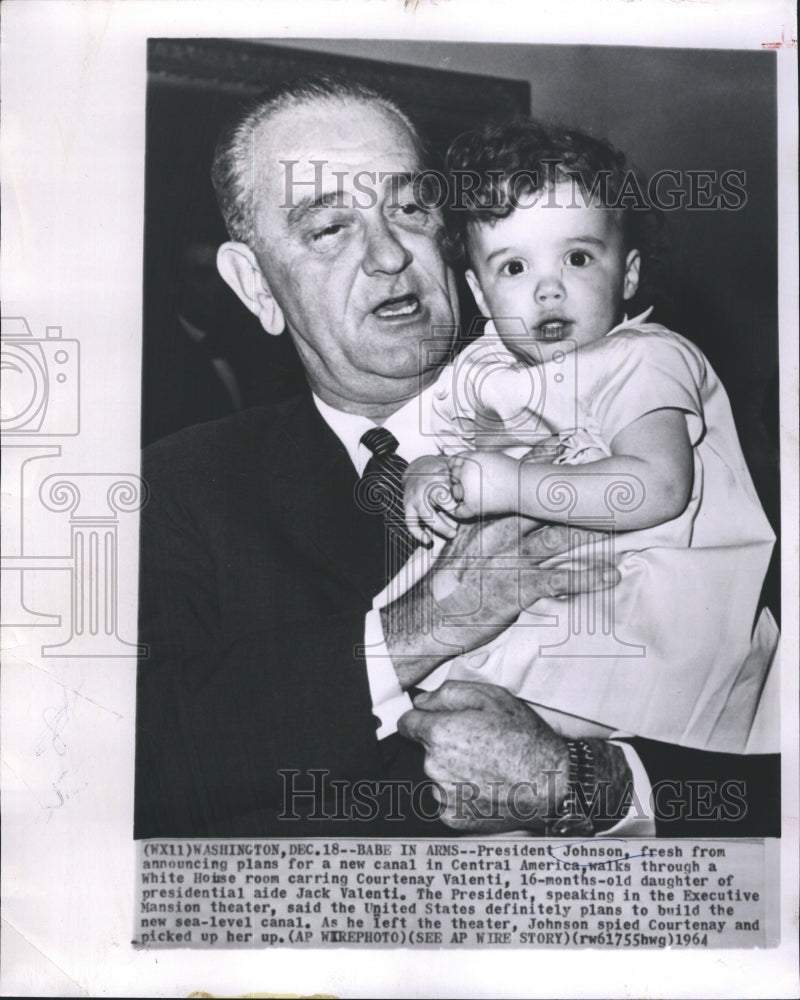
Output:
[[310, 473]]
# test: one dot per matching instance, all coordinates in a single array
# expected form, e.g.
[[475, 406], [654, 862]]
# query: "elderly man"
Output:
[[275, 683]]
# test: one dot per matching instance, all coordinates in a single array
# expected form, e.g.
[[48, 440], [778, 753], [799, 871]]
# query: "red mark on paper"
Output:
[[783, 43]]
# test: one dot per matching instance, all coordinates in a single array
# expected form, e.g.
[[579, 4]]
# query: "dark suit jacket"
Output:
[[257, 569]]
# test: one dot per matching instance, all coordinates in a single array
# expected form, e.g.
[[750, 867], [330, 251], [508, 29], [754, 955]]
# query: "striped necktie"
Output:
[[380, 490]]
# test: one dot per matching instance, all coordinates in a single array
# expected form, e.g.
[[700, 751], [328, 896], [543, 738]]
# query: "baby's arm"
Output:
[[432, 489], [655, 448]]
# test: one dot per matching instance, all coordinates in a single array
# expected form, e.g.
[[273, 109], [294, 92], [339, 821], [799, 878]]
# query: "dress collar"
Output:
[[636, 321]]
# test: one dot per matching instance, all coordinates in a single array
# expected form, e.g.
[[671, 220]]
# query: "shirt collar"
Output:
[[410, 425]]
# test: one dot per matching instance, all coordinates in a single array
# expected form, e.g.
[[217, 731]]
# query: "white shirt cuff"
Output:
[[638, 822], [389, 700]]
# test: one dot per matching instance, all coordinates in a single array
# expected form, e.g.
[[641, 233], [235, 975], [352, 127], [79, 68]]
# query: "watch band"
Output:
[[573, 819]]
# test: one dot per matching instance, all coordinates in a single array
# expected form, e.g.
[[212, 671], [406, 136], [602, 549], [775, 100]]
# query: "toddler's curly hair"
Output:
[[493, 168]]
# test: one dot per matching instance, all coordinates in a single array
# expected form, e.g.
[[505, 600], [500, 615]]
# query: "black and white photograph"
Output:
[[399, 504], [262, 550]]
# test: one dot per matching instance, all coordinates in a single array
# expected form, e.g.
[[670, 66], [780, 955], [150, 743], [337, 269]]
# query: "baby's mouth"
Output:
[[554, 328], [399, 307]]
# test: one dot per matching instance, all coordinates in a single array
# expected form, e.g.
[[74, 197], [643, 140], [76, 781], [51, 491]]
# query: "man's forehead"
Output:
[[344, 135]]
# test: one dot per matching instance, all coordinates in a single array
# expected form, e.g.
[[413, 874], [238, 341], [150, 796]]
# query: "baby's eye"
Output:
[[513, 267], [578, 258]]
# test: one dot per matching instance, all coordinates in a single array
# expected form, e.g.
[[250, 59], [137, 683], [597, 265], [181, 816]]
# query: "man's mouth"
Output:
[[554, 328], [399, 307]]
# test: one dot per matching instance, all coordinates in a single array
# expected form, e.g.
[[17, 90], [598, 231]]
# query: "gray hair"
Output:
[[231, 171]]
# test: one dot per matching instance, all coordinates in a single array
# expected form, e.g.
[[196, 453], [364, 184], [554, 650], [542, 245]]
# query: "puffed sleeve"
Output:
[[635, 372]]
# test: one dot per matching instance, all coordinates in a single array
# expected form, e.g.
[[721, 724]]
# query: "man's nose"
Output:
[[384, 253], [549, 288]]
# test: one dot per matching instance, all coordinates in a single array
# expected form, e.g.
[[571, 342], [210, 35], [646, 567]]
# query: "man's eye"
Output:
[[330, 230], [410, 211], [513, 267], [578, 258]]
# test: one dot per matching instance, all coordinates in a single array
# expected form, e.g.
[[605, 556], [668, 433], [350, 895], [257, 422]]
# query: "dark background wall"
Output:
[[665, 108]]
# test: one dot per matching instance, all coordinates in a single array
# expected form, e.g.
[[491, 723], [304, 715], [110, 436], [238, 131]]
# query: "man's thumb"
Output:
[[454, 696]]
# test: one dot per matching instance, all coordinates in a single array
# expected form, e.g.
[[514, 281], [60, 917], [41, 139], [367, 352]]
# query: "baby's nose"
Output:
[[549, 288]]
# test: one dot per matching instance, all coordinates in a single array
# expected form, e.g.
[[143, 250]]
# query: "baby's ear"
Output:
[[239, 268], [475, 288], [633, 264]]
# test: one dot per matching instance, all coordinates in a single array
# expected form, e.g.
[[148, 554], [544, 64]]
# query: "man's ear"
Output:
[[239, 268], [475, 288], [633, 263]]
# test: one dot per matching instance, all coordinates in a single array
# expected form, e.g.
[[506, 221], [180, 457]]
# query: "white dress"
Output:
[[671, 652]]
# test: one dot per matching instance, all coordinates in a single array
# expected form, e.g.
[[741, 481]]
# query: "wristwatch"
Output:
[[573, 820]]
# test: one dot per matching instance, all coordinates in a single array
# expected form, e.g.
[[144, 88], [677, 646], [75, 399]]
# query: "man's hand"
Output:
[[482, 580], [500, 766], [490, 754]]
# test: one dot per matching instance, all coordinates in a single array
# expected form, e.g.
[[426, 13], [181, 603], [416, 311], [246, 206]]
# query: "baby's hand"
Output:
[[547, 450], [427, 497], [484, 483]]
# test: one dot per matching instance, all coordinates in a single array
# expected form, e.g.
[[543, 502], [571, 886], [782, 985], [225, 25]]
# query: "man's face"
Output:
[[349, 257], [552, 270]]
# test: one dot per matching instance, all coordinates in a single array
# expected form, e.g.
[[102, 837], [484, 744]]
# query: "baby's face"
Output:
[[547, 273]]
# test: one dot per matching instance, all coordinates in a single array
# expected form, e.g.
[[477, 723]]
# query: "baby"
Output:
[[644, 448]]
